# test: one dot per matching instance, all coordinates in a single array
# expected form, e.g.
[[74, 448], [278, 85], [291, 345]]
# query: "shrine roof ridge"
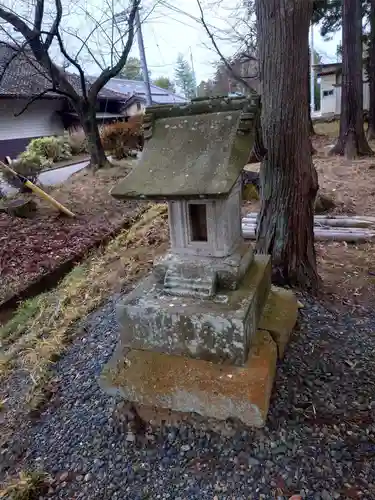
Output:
[[203, 105]]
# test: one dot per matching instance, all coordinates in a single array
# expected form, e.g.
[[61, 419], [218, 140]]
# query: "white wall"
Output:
[[327, 102], [40, 119], [134, 109], [332, 103]]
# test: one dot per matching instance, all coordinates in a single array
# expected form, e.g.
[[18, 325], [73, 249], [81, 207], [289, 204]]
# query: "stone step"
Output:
[[192, 386], [184, 292], [205, 329], [177, 284]]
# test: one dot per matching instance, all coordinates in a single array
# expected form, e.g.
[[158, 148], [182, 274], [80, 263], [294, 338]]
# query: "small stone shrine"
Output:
[[202, 333]]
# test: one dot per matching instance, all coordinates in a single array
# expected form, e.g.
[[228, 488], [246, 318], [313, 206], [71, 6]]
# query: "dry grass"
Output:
[[27, 486], [47, 324], [329, 129]]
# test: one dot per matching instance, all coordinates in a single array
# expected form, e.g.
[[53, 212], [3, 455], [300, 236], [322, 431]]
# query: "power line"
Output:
[[194, 18]]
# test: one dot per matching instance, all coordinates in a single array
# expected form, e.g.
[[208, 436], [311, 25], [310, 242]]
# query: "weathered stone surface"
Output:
[[219, 329], [222, 221], [229, 270], [192, 157], [196, 386], [324, 203], [190, 281], [203, 106], [280, 316], [19, 207], [249, 177]]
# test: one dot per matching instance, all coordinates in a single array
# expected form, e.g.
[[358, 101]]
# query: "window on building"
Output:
[[138, 106], [326, 93], [198, 222]]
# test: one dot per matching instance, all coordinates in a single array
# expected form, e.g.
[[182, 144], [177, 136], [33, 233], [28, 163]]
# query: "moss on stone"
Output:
[[280, 316]]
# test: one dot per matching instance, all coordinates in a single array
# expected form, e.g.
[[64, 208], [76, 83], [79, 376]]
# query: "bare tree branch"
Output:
[[105, 34], [74, 62], [55, 27], [12, 58], [38, 17], [109, 73], [33, 99], [16, 22], [222, 57]]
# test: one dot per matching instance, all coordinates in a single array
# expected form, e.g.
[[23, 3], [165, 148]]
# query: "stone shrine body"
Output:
[[191, 326]]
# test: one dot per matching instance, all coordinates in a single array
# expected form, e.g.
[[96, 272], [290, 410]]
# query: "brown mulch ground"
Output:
[[30, 248], [347, 270]]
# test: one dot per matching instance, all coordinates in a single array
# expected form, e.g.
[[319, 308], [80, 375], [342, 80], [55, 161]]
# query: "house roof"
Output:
[[196, 150], [24, 77], [137, 88], [327, 69]]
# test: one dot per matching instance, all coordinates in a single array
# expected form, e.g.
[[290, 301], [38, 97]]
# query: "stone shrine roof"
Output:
[[192, 151]]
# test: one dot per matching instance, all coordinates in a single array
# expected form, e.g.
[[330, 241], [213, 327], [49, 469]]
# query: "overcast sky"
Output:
[[167, 32], [169, 28]]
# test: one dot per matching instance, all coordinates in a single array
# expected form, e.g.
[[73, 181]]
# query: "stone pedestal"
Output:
[[190, 332], [217, 328]]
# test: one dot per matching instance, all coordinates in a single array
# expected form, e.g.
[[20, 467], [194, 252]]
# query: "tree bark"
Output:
[[289, 181], [98, 157], [352, 140], [258, 152], [311, 126], [371, 75]]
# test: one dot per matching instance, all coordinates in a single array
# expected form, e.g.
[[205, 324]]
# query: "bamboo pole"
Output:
[[37, 190]]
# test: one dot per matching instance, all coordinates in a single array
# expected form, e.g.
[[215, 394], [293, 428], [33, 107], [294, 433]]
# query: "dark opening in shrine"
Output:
[[198, 221]]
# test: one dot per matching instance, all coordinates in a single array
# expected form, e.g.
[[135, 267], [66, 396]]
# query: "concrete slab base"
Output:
[[194, 386], [280, 317]]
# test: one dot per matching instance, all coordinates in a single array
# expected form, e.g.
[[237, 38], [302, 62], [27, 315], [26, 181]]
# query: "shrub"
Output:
[[53, 148], [120, 138], [77, 142], [29, 164]]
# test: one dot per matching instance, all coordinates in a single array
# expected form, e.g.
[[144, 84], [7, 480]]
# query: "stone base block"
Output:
[[229, 270], [218, 329], [280, 316], [193, 386]]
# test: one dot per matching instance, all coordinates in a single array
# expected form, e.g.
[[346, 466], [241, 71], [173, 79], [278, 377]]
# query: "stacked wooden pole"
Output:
[[358, 229]]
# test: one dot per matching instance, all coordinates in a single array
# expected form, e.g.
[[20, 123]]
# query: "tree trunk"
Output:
[[311, 126], [289, 181], [258, 153], [371, 75], [352, 140], [98, 157]]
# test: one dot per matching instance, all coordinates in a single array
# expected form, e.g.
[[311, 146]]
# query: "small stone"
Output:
[[185, 447], [64, 476], [279, 450], [130, 437], [325, 495], [253, 461], [87, 477]]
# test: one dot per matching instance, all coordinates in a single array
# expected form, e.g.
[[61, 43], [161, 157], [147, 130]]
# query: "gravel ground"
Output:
[[319, 441]]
